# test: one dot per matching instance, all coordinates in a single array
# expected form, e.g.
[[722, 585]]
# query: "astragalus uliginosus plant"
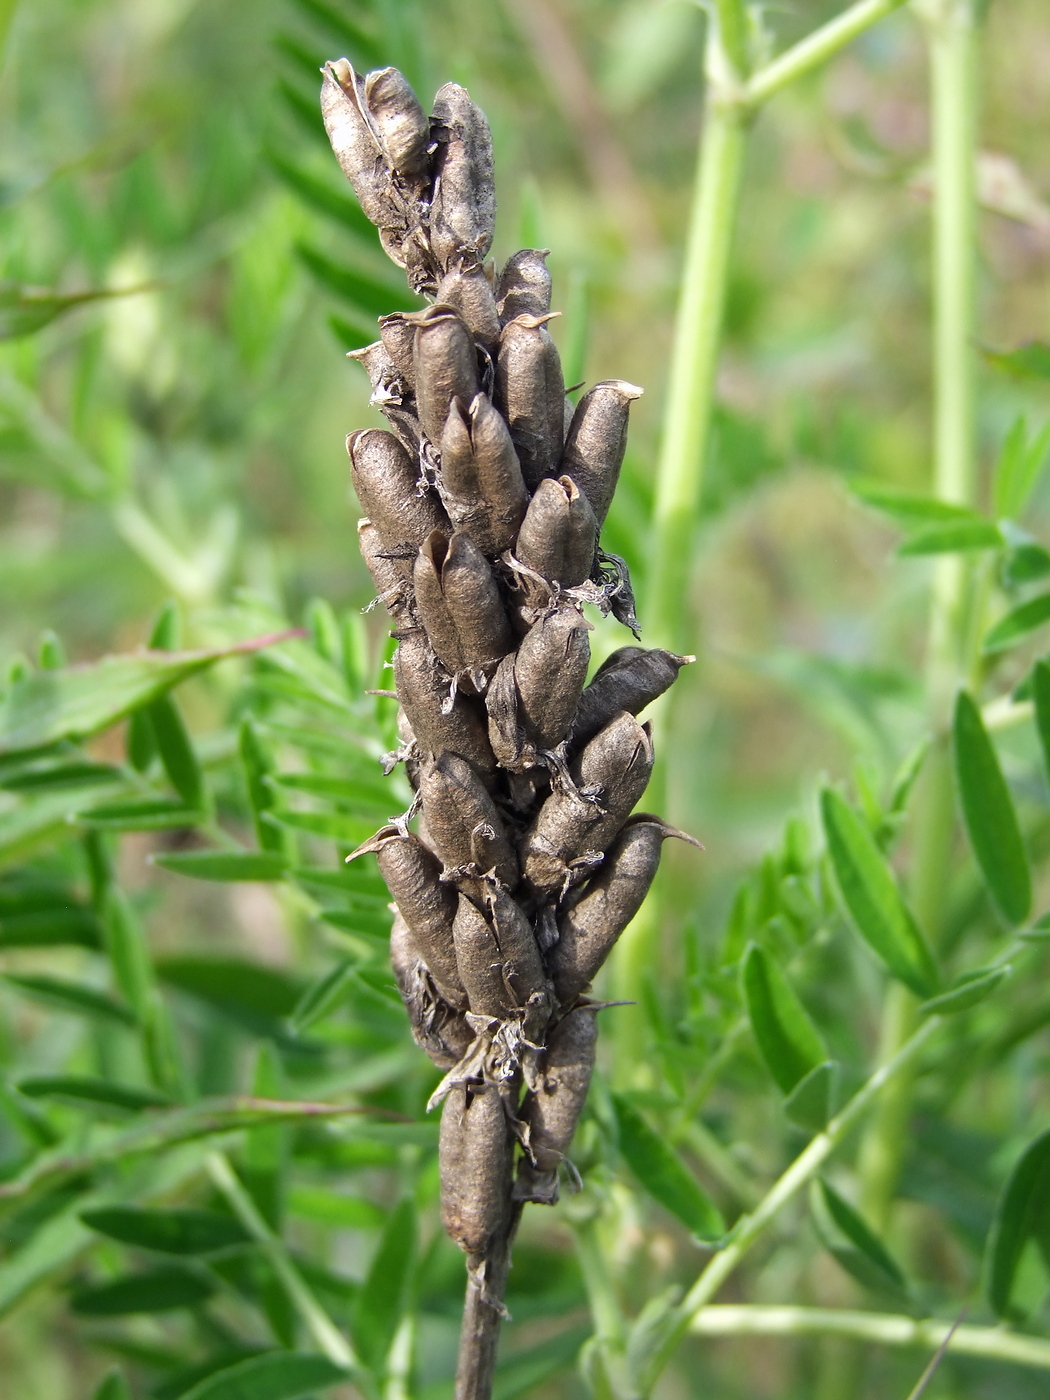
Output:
[[484, 509]]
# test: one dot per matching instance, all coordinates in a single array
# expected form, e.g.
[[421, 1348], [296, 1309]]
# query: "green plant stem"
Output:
[[881, 1329], [801, 1171], [322, 1329], [609, 1326], [816, 48]]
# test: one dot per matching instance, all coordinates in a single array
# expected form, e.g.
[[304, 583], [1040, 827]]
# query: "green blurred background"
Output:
[[186, 440]]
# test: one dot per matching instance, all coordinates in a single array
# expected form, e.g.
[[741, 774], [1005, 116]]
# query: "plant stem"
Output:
[[322, 1329], [881, 1329], [799, 1173], [816, 48], [483, 1315]]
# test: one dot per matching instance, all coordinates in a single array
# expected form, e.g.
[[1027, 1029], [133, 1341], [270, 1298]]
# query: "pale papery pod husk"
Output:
[[559, 534], [378, 364], [445, 363], [458, 726], [463, 821], [390, 575], [397, 335], [629, 679], [463, 207], [530, 393], [588, 928], [571, 833], [550, 668], [597, 440], [474, 604], [484, 491], [480, 962], [437, 1028], [523, 287], [503, 706], [475, 1155], [470, 292], [355, 144], [386, 481], [428, 906], [431, 603], [400, 123], [552, 1109]]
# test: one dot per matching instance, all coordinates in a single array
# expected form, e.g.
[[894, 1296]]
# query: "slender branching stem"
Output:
[[816, 48]]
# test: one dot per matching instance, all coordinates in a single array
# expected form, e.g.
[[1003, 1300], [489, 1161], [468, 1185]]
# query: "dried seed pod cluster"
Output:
[[484, 504]]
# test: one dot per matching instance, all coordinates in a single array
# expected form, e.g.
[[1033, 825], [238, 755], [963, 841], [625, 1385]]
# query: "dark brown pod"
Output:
[[398, 338], [553, 1108], [377, 363], [612, 897], [354, 142], [399, 122], [530, 392], [550, 669], [463, 822], [460, 727], [571, 834], [503, 706], [445, 365], [428, 907], [524, 978], [524, 285], [596, 441], [480, 962], [437, 1028], [476, 1154], [387, 484], [474, 604], [480, 476], [469, 291], [463, 208], [432, 604], [389, 575], [559, 534], [629, 679]]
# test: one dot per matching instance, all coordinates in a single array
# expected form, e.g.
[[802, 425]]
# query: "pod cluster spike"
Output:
[[484, 504]]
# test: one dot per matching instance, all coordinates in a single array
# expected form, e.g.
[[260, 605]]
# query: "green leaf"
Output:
[[1023, 1214], [322, 195], [224, 865], [67, 995], [113, 1386], [381, 1302], [328, 1207], [176, 1383], [163, 1289], [1017, 623], [176, 752], [279, 1375], [376, 296], [664, 1175], [182, 1230], [256, 996], [1031, 360], [872, 898], [258, 765], [1017, 470], [969, 990], [988, 813], [951, 537], [126, 945], [50, 928], [1041, 701], [322, 996], [149, 814], [47, 706], [849, 1238], [51, 776], [84, 1090], [523, 1372], [26, 310], [812, 1100], [334, 826], [786, 1037], [910, 510], [1025, 563]]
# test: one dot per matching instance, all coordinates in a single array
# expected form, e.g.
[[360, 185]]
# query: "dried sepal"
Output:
[[524, 285], [387, 484], [464, 823], [629, 679], [596, 441], [441, 722], [559, 534], [463, 207], [445, 364], [481, 479], [530, 393], [552, 1109], [476, 1161]]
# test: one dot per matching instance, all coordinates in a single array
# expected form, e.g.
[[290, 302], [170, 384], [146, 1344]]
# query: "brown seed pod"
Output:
[[503, 706], [629, 679], [463, 822], [525, 981], [596, 440], [398, 337], [559, 535], [427, 905], [399, 122], [550, 669], [474, 604], [469, 291], [463, 208], [437, 1028], [610, 900], [432, 604], [571, 833], [476, 1155], [459, 727], [445, 364], [387, 485], [553, 1108], [524, 285], [377, 363], [480, 476], [388, 575], [530, 393], [354, 142], [480, 961]]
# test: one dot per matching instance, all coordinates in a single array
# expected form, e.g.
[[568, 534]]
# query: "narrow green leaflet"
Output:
[[322, 195], [26, 310], [812, 1100], [910, 510], [381, 1302], [243, 988], [521, 1373], [1023, 1214], [1017, 470], [180, 1230], [74, 703], [51, 1247], [870, 894], [786, 1037], [176, 752], [1018, 622], [276, 1375], [952, 536], [322, 996], [162, 1289], [328, 1207], [257, 765], [373, 295], [67, 995], [1024, 563], [346, 830], [50, 928], [86, 1091], [988, 813], [225, 865], [149, 814], [664, 1175], [51, 776], [113, 1386], [852, 1242], [1041, 701], [1028, 361], [969, 991]]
